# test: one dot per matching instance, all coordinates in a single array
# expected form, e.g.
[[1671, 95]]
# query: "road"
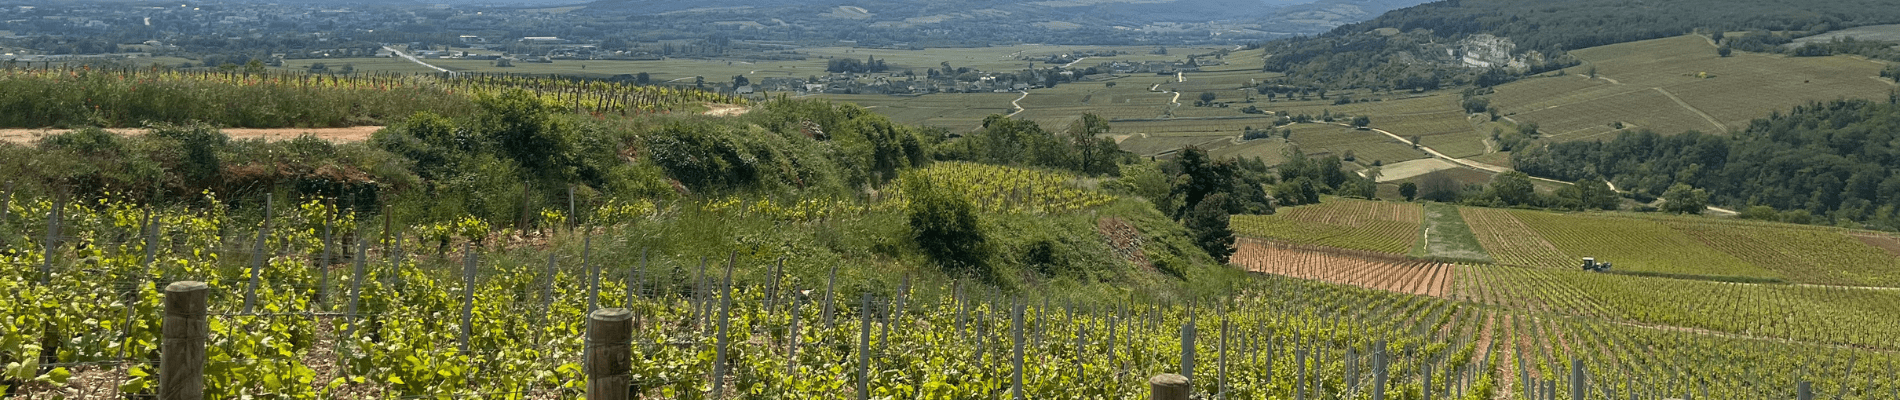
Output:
[[1019, 107], [414, 60], [1072, 63]]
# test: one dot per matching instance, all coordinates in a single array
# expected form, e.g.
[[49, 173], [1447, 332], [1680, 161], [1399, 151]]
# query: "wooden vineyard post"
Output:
[[633, 279], [1187, 347], [1803, 390], [323, 269], [468, 294], [593, 273], [610, 368], [1016, 385], [1168, 387], [1220, 391], [356, 289], [725, 332], [257, 257], [52, 242], [1577, 388], [791, 355], [864, 348], [1427, 369], [182, 352], [1299, 374], [1378, 370]]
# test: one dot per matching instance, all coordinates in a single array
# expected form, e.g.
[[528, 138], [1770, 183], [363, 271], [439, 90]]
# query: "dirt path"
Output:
[[1018, 105], [1672, 96], [339, 135], [414, 60], [726, 110]]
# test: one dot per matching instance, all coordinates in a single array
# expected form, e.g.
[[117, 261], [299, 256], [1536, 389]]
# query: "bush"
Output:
[[1209, 222], [945, 226]]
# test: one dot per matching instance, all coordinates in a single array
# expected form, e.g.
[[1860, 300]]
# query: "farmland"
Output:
[[1444, 236], [1678, 84], [1364, 269], [1382, 227]]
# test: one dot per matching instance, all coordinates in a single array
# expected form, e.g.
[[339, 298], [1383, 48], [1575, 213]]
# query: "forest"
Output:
[[1835, 162]]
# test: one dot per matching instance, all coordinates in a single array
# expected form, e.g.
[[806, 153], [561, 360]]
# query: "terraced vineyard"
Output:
[[324, 318], [1363, 269], [1382, 227]]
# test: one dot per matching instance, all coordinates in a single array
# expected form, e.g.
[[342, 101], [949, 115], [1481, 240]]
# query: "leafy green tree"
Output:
[[254, 67], [1208, 97], [945, 226], [1409, 190], [1209, 223], [1514, 188], [524, 128], [1596, 194], [1684, 199], [1361, 121], [1761, 213]]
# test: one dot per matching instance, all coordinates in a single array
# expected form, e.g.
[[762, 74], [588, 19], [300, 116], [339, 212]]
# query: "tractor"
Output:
[[1591, 264]]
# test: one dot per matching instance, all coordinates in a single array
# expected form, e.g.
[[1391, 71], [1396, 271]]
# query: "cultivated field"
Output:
[[1677, 84], [1364, 269], [1687, 246], [1383, 227]]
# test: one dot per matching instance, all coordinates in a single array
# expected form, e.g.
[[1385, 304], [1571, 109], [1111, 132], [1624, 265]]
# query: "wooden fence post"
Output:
[[610, 367], [1804, 390], [182, 353], [1168, 387]]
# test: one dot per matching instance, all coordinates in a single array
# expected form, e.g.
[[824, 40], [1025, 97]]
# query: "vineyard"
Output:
[[312, 304], [1676, 246], [1383, 227], [1364, 269], [1001, 189], [71, 97]]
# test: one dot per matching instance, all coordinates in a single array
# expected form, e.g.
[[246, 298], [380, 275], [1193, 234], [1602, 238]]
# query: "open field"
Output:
[[1377, 226], [956, 112], [1364, 269], [1677, 84]]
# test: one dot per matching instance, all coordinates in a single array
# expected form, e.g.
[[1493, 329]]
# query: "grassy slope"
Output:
[[1444, 236]]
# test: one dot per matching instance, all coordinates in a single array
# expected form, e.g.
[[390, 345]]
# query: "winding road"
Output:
[[414, 60]]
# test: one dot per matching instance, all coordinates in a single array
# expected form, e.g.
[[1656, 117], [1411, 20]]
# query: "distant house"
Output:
[[747, 89], [473, 39], [543, 40]]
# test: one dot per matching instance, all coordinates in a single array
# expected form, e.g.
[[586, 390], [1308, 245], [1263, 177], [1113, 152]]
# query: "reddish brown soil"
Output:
[[1365, 269]]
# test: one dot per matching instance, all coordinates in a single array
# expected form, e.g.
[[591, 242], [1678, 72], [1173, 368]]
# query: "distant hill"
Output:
[[1053, 21], [1453, 42]]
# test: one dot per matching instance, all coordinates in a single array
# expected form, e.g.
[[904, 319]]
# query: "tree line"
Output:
[[1835, 162]]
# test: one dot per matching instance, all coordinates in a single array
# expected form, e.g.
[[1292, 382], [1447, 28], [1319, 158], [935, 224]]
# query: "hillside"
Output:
[[902, 23], [1643, 244], [1451, 42]]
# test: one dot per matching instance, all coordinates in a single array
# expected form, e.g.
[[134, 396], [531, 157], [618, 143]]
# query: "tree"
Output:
[[1761, 213], [1209, 223], [1596, 194], [740, 81], [1439, 187], [1724, 51], [1514, 188], [1361, 121], [1110, 84], [1684, 199], [1208, 97], [643, 78], [254, 67], [1082, 135], [1409, 190], [1415, 139], [1200, 177], [945, 226]]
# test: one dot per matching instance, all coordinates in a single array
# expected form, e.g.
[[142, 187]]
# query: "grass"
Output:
[[1444, 236], [1384, 227], [1640, 83]]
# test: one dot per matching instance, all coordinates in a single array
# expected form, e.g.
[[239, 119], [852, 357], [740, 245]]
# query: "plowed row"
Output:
[[1384, 227], [1364, 269]]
